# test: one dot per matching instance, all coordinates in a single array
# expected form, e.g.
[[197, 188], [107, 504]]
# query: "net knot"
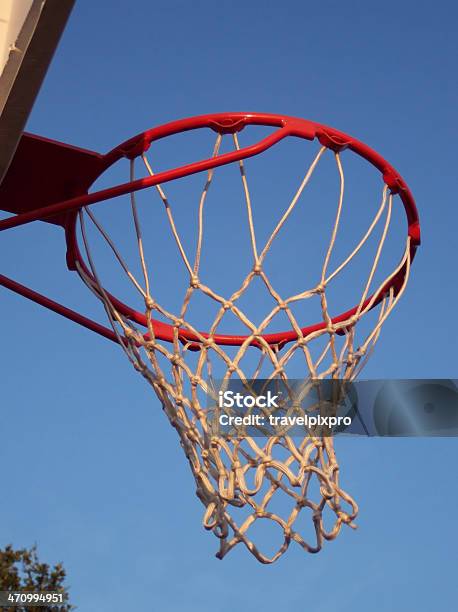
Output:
[[175, 360], [149, 302], [227, 305], [194, 281], [257, 269], [320, 288]]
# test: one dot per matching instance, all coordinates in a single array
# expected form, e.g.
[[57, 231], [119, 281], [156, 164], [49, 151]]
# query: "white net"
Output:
[[245, 481]]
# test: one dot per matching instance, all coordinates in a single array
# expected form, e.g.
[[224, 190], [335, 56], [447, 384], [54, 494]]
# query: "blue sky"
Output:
[[95, 474]]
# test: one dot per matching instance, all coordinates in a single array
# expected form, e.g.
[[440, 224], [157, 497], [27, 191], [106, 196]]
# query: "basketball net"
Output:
[[238, 479]]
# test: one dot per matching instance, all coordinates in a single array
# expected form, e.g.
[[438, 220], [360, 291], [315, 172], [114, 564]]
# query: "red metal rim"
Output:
[[230, 123]]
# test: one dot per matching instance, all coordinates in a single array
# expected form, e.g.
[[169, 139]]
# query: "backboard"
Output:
[[29, 34]]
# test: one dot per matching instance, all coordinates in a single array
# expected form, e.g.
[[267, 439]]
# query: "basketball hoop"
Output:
[[222, 467]]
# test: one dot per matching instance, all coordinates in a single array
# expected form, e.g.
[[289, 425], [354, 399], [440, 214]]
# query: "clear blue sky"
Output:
[[84, 432]]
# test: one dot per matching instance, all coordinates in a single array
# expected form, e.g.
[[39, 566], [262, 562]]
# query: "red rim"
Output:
[[230, 123]]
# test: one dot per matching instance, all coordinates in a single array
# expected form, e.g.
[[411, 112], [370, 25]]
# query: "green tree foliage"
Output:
[[20, 570]]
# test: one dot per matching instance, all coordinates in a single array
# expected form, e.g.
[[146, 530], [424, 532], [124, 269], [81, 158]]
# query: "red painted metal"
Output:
[[45, 172], [49, 181], [38, 298]]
